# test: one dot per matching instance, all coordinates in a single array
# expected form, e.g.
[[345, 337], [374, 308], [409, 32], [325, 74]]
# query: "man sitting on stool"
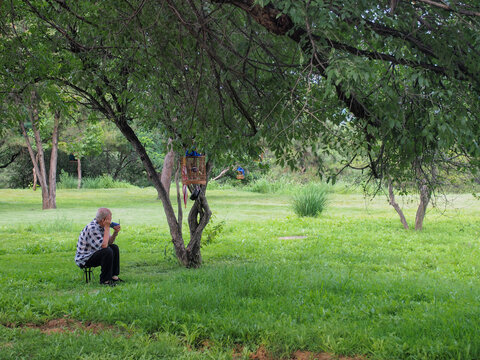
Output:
[[95, 247]]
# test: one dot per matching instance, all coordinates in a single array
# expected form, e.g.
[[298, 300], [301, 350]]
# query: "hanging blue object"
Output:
[[192, 153], [241, 170]]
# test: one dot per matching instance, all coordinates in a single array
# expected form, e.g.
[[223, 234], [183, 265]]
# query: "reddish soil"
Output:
[[262, 354], [66, 325]]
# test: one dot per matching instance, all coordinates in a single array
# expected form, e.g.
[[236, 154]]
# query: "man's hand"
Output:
[[106, 222], [117, 228]]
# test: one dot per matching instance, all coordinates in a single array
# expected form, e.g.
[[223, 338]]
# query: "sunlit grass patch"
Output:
[[350, 282]]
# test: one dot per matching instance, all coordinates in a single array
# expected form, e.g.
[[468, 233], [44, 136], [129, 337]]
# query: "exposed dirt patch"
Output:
[[65, 324], [262, 354]]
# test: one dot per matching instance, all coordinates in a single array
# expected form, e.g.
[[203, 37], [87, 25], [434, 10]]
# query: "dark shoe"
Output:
[[109, 283], [118, 280]]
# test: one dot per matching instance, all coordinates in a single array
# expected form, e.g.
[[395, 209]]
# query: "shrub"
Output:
[[267, 186], [211, 232], [104, 182], [67, 181], [311, 200]]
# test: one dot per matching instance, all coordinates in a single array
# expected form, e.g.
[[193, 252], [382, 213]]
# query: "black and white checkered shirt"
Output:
[[89, 241]]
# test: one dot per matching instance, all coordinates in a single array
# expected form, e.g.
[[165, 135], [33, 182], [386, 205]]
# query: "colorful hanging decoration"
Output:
[[185, 195], [240, 173]]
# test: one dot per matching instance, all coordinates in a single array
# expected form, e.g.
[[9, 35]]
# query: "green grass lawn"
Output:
[[357, 284]]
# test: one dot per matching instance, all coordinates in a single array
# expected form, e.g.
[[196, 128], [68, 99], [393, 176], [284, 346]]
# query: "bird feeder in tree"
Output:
[[193, 169], [240, 173]]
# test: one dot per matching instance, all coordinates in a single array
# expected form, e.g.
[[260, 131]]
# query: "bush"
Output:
[[267, 186], [68, 181], [104, 182], [311, 200]]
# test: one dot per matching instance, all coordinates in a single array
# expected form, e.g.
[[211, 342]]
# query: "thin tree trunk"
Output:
[[41, 170], [52, 178], [222, 174], [79, 173], [34, 179], [395, 205], [167, 170], [33, 159], [179, 197]]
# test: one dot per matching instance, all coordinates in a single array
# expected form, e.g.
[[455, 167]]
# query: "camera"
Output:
[[113, 224]]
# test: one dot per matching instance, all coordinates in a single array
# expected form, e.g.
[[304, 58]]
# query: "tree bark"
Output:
[[222, 174], [395, 205], [167, 170], [34, 180], [196, 225], [40, 169], [187, 258], [425, 194], [79, 173], [52, 178]]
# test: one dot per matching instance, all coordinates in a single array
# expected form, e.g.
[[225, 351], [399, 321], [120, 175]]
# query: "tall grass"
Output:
[[105, 181], [311, 200]]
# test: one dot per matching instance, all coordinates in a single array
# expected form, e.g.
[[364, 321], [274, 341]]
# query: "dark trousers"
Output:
[[109, 259]]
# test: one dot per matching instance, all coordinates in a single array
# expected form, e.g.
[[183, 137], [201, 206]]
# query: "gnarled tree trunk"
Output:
[[425, 189], [395, 205], [190, 255]]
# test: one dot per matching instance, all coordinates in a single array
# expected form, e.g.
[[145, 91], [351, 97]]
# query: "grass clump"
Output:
[[310, 201], [105, 181]]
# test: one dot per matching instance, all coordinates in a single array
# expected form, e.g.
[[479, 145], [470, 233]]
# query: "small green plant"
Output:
[[310, 201], [212, 231], [67, 181]]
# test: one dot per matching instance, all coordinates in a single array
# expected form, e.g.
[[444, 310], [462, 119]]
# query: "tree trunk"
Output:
[[38, 160], [34, 179], [422, 207], [196, 225], [79, 173], [190, 256], [395, 205], [52, 178], [40, 170], [167, 170], [425, 194]]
